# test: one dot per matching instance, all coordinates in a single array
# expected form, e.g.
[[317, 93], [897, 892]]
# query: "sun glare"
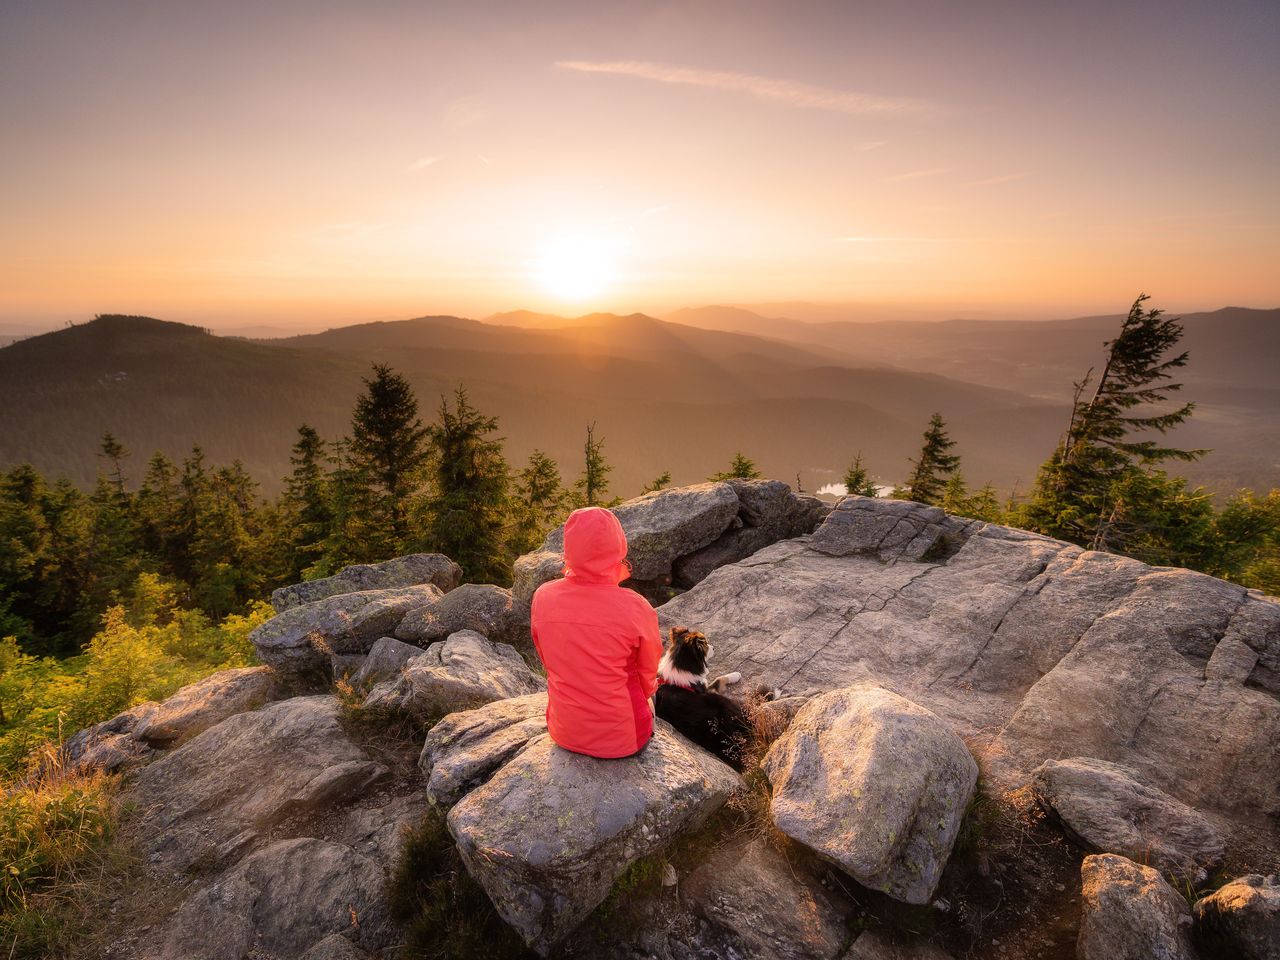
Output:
[[575, 268]]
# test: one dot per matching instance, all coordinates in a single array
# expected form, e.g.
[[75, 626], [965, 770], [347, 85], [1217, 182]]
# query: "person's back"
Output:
[[599, 643]]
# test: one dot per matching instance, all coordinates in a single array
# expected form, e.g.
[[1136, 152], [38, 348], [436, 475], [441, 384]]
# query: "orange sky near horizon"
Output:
[[325, 163]]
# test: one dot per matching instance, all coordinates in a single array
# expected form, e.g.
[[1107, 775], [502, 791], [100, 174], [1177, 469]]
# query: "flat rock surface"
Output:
[[1130, 913], [548, 834], [876, 785], [1032, 648], [1107, 807], [433, 568], [198, 706], [213, 798], [465, 748]]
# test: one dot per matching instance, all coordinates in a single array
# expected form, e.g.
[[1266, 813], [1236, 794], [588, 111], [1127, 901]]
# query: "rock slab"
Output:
[[1129, 912], [408, 571], [199, 706], [465, 748], [876, 785]]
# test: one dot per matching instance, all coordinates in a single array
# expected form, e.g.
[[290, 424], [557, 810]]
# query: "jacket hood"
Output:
[[595, 547]]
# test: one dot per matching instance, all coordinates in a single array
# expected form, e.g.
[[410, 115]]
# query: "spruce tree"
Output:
[[657, 483], [935, 465], [1109, 433], [593, 485], [857, 481], [466, 510], [389, 445], [115, 453], [539, 502], [305, 501], [740, 468]]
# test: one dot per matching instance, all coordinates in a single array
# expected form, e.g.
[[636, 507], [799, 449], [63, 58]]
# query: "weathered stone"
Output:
[[759, 907], [464, 749], [886, 529], [459, 673], [110, 746], [302, 638], [215, 796], [482, 607], [880, 944], [385, 659], [433, 568], [1241, 919], [1130, 913], [335, 947], [532, 570], [282, 900], [200, 705], [1046, 649], [875, 784], [548, 834], [376, 828], [345, 665], [1106, 807]]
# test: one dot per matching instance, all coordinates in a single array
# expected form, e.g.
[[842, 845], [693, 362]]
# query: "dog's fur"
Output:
[[696, 707]]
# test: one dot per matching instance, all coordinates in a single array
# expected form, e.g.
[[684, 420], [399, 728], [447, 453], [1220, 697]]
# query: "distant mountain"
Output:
[[665, 396]]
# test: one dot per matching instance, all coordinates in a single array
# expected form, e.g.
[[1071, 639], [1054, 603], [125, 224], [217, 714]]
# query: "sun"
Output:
[[575, 268]]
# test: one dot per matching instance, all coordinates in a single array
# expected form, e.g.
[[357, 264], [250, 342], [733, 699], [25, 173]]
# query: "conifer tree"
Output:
[[115, 453], [857, 481], [539, 502], [389, 444], [1109, 433], [305, 501], [658, 483], [740, 468], [466, 510], [593, 485], [935, 465]]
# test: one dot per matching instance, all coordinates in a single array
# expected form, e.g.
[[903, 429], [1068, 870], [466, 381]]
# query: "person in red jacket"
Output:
[[599, 643]]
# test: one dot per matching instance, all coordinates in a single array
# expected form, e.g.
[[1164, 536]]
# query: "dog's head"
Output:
[[689, 650]]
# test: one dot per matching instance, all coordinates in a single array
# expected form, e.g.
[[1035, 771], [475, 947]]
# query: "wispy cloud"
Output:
[[421, 164], [790, 92], [916, 174], [992, 181]]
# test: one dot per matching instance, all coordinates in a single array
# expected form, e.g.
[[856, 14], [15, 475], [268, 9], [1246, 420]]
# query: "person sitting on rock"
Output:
[[599, 643]]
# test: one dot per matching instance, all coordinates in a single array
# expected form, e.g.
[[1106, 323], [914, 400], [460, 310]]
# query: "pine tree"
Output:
[[305, 502], [539, 503], [658, 483], [114, 451], [593, 485], [857, 481], [389, 444], [935, 465], [740, 468], [1075, 491], [466, 510]]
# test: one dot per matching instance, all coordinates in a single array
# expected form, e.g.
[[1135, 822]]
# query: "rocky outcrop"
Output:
[[488, 610], [386, 658], [281, 901], [757, 905], [303, 638], [875, 784], [882, 945], [1241, 919], [679, 535], [463, 671], [433, 568], [464, 749], [199, 706], [1107, 808], [548, 834], [110, 746], [1130, 913], [1033, 648], [215, 796]]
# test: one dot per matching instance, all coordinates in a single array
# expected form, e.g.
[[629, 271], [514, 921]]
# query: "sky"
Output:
[[318, 163]]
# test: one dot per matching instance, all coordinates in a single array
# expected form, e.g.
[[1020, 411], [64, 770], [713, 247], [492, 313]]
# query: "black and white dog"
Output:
[[696, 707]]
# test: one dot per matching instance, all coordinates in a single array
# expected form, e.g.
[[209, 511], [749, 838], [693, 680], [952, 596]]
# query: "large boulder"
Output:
[[464, 671], [488, 610], [433, 568], [200, 705], [875, 784], [281, 901], [1108, 808], [465, 748], [1128, 912], [303, 638], [660, 526], [758, 906], [110, 746], [218, 794], [1031, 648], [386, 658], [1242, 919], [548, 834], [880, 944]]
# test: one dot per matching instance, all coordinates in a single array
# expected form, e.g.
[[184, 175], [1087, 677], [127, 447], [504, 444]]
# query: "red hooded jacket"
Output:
[[599, 643]]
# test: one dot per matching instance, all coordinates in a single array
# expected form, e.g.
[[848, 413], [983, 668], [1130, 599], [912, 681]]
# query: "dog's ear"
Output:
[[678, 635], [699, 640]]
